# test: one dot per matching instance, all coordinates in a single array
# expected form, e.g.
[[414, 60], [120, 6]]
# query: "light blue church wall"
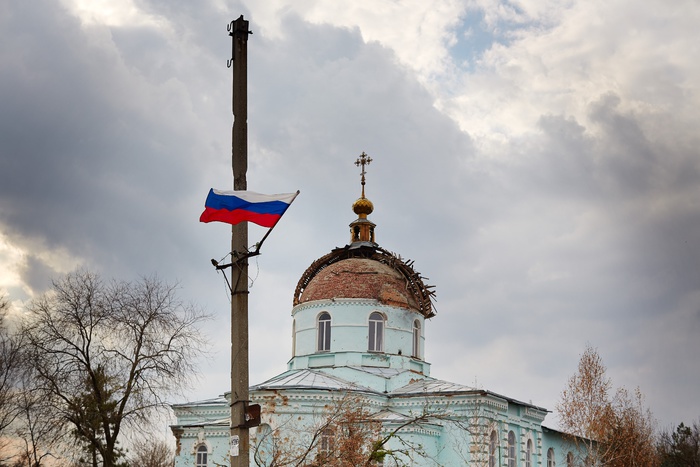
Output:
[[350, 319], [456, 433]]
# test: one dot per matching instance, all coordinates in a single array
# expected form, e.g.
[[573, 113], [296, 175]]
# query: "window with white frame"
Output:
[[550, 458], [324, 332], [416, 339], [528, 453], [511, 449], [376, 332], [201, 456], [493, 447]]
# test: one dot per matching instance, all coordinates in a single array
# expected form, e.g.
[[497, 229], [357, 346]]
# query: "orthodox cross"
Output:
[[363, 160]]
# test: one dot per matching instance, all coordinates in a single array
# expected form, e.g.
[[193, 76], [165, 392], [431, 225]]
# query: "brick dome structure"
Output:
[[366, 271]]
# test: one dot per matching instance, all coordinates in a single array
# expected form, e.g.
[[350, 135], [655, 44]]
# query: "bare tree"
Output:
[[37, 432], [344, 434], [106, 356], [151, 452], [11, 360], [473, 433], [348, 434], [613, 430]]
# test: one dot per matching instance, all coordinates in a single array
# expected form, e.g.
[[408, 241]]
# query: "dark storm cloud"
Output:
[[91, 160], [642, 183]]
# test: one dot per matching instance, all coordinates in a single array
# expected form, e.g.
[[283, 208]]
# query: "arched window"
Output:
[[416, 339], [550, 458], [511, 449], [324, 332], [493, 447], [376, 332], [528, 453], [294, 337], [569, 459], [201, 459]]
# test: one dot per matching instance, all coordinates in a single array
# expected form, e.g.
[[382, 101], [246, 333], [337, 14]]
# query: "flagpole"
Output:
[[239, 258], [259, 244], [238, 30]]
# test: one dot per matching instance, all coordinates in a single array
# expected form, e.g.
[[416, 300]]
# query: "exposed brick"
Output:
[[360, 278]]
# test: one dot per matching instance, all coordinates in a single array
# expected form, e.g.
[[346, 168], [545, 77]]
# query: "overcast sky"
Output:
[[538, 159]]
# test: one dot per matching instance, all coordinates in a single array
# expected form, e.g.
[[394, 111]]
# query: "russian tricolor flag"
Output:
[[233, 207]]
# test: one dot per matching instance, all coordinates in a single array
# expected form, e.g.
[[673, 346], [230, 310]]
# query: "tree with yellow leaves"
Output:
[[612, 429]]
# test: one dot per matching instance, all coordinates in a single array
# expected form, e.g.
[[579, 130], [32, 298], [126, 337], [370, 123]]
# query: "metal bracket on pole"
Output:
[[235, 29]]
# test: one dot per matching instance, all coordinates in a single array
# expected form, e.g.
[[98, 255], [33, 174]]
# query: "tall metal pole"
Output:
[[239, 244]]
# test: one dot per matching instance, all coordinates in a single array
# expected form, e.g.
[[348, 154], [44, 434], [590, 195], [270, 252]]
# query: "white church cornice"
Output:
[[196, 411], [316, 304], [534, 414], [416, 428], [288, 397], [193, 433]]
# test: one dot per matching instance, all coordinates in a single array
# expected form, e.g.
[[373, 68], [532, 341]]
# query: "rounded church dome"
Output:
[[365, 272], [360, 278]]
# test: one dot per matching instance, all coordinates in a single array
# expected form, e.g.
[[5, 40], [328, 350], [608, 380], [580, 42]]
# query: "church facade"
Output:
[[358, 386]]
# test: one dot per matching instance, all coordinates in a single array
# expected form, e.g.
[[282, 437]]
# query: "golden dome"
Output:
[[362, 207]]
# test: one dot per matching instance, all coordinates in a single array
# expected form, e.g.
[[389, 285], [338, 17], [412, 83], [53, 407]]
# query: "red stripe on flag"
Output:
[[237, 216]]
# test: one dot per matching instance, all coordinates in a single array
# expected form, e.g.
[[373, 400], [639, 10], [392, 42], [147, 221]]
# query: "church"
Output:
[[357, 384]]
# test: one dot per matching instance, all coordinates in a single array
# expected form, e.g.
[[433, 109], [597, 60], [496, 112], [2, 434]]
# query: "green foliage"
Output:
[[680, 447]]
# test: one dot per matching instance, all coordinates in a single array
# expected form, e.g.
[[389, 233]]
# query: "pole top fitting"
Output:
[[239, 28]]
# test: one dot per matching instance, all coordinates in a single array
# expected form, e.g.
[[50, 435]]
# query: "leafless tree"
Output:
[[11, 359], [107, 355], [37, 433], [348, 434], [152, 452], [472, 433], [344, 434]]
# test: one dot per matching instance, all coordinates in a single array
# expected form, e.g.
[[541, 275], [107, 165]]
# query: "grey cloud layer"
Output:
[[576, 231]]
